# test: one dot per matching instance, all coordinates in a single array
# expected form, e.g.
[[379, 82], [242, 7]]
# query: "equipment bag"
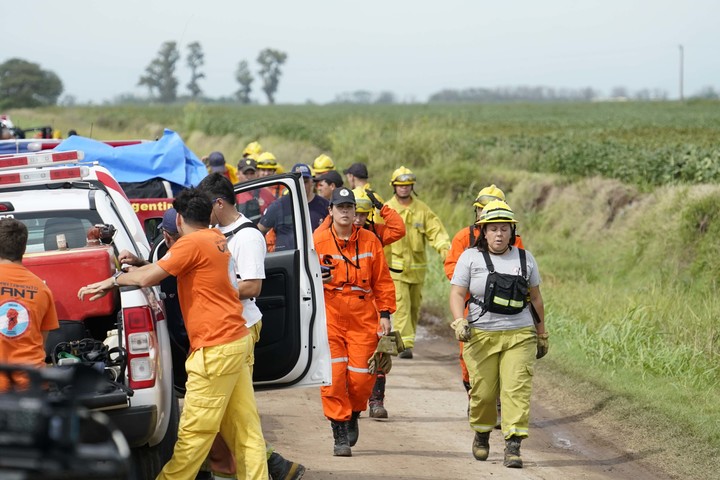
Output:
[[505, 294]]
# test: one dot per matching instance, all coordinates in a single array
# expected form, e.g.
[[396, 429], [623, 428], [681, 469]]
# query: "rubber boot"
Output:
[[283, 469], [481, 446], [342, 444], [377, 398], [512, 453], [353, 429], [407, 353]]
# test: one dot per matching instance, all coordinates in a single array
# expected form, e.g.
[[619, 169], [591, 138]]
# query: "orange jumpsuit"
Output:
[[460, 243], [360, 275], [391, 231]]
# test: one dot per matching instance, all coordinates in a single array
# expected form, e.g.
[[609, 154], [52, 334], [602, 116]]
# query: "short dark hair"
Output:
[[13, 239], [217, 185], [194, 206]]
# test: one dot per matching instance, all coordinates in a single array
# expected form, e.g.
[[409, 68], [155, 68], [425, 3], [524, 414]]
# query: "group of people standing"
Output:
[[373, 255]]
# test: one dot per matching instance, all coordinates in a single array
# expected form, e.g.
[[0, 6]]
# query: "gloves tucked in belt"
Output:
[[462, 329], [543, 344]]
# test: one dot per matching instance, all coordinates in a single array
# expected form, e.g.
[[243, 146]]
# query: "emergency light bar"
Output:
[[40, 159], [50, 175]]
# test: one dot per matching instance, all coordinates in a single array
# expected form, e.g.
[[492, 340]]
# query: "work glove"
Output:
[[376, 203], [397, 340], [380, 361], [542, 345], [462, 329]]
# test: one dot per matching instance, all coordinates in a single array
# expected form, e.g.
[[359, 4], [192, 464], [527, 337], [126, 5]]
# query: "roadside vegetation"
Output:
[[620, 203]]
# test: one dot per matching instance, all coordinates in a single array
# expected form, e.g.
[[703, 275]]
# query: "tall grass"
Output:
[[619, 204]]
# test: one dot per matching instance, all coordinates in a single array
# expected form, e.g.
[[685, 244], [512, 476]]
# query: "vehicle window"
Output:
[[268, 207], [44, 228]]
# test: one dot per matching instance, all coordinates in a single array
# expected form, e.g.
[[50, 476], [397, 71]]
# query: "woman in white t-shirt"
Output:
[[504, 331]]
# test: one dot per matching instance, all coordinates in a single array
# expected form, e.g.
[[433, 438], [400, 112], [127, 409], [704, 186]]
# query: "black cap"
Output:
[[247, 164], [216, 161], [342, 195], [357, 169], [331, 176]]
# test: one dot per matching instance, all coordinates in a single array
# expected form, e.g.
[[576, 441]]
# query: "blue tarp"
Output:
[[168, 158]]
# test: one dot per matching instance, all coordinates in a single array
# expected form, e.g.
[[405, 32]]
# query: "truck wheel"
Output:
[[148, 461]]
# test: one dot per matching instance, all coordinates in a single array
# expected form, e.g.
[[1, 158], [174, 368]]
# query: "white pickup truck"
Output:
[[61, 200]]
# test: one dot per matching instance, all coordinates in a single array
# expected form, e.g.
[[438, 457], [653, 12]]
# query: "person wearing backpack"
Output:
[[504, 329], [467, 238]]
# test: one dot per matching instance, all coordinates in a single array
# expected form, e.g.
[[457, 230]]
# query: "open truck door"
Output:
[[293, 347]]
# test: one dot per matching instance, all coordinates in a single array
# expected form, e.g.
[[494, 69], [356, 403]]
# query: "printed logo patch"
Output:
[[14, 319]]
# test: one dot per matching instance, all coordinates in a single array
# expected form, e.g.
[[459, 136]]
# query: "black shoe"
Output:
[[204, 475], [377, 410], [512, 453], [353, 429], [342, 444], [481, 446], [282, 469], [407, 353]]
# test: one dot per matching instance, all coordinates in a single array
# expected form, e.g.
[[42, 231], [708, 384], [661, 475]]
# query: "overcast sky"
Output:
[[413, 48]]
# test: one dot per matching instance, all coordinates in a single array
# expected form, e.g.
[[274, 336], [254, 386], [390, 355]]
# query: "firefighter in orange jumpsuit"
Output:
[[357, 285], [464, 239]]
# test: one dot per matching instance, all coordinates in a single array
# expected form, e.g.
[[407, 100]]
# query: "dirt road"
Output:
[[427, 435]]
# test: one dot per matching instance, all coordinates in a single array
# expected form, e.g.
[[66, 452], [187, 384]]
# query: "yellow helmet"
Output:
[[267, 161], [402, 176], [323, 164], [363, 204], [496, 211], [487, 195], [252, 148]]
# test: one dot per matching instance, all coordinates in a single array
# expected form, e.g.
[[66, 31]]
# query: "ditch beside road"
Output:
[[427, 435]]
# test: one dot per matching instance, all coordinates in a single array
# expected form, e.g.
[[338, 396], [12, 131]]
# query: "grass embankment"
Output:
[[629, 269]]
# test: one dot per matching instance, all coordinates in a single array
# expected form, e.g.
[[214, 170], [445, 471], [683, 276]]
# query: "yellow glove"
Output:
[[397, 340], [543, 344], [463, 333], [379, 362]]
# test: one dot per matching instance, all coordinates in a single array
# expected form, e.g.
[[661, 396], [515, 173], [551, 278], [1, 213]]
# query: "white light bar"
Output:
[[40, 159], [43, 176]]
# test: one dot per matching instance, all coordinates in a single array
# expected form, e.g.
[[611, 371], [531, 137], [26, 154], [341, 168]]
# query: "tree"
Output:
[[245, 79], [270, 61], [24, 84], [160, 74], [195, 59]]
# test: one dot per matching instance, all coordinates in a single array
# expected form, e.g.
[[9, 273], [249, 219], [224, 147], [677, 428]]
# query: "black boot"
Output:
[[353, 429], [377, 398], [481, 446], [283, 469], [512, 453], [342, 444]]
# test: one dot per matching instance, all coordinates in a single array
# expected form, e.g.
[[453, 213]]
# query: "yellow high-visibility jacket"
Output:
[[406, 257]]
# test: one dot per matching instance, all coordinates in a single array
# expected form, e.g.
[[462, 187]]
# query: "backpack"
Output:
[[240, 227], [505, 294]]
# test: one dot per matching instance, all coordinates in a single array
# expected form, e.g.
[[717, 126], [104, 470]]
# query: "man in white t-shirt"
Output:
[[247, 247]]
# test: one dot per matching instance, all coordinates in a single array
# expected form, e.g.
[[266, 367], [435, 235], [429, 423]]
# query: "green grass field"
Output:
[[620, 203]]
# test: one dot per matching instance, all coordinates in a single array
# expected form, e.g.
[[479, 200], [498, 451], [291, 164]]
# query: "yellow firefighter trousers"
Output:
[[408, 297], [219, 398], [501, 363]]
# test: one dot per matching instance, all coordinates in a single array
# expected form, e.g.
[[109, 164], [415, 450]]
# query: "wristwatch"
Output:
[[115, 277]]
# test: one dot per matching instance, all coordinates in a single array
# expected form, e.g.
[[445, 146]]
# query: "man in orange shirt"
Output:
[[219, 393], [27, 307], [357, 287]]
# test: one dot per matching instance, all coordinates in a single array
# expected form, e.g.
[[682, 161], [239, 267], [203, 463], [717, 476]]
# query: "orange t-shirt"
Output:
[[27, 309], [207, 288]]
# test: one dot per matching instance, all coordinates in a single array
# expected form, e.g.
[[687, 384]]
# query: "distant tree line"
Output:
[[541, 94], [162, 83], [365, 97]]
